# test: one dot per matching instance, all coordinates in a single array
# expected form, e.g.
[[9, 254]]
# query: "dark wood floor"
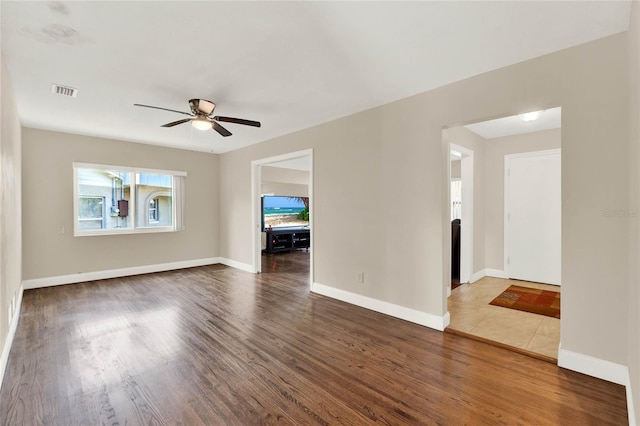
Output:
[[214, 345]]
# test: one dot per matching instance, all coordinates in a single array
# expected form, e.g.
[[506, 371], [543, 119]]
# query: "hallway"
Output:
[[471, 314]]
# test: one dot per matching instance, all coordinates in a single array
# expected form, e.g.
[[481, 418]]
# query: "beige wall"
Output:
[[369, 164], [467, 139], [285, 189], [495, 150], [634, 206], [455, 169], [282, 181], [10, 203], [48, 205], [283, 175]]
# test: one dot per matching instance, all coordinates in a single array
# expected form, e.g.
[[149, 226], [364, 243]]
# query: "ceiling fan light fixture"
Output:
[[201, 123], [530, 116]]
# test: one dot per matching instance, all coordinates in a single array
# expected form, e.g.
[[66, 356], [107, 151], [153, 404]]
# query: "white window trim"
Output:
[[128, 169], [132, 202]]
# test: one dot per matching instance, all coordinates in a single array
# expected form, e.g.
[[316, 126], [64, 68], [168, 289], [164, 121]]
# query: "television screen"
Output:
[[282, 211]]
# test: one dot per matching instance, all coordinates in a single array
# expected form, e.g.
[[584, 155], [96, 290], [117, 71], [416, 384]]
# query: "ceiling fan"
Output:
[[202, 119]]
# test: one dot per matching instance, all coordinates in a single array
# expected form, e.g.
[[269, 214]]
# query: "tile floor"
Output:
[[471, 313]]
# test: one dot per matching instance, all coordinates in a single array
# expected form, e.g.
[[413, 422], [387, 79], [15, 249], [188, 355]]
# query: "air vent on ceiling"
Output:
[[64, 90]]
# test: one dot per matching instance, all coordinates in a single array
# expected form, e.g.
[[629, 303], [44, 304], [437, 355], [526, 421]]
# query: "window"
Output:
[[91, 212], [153, 210], [122, 200], [154, 191], [456, 199]]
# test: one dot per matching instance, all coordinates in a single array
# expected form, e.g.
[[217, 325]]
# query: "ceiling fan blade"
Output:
[[175, 123], [218, 128], [164, 109], [237, 121]]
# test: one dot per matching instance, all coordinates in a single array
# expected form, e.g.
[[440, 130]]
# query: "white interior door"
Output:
[[533, 216]]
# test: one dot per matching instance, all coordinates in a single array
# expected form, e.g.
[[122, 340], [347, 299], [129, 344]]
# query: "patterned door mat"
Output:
[[536, 301]]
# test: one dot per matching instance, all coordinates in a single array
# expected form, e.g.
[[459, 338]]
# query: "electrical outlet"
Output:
[[12, 308], [361, 277], [60, 229]]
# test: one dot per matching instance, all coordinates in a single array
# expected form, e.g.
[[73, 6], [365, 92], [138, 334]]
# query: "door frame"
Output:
[[507, 192], [466, 224], [256, 181]]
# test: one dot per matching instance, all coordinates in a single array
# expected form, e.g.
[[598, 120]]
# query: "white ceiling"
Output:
[[290, 65], [507, 126]]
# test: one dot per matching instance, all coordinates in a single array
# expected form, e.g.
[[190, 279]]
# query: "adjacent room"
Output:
[[241, 212], [506, 241], [285, 210]]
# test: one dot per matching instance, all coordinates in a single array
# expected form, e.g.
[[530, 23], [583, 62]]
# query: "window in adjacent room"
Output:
[[121, 200], [456, 199], [153, 210]]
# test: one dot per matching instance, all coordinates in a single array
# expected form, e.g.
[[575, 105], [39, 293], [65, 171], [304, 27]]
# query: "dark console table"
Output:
[[287, 239]]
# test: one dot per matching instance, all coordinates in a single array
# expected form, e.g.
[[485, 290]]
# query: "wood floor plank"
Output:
[[214, 345]]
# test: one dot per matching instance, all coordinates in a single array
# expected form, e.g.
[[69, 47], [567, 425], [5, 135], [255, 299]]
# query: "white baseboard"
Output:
[[488, 272], [605, 370], [477, 276], [595, 367], [238, 265], [12, 332], [446, 320], [631, 412], [115, 273], [397, 311], [496, 273]]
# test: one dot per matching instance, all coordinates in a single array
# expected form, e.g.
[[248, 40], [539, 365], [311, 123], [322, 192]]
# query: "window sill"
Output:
[[125, 231]]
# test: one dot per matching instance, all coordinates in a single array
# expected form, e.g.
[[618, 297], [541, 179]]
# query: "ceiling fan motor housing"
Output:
[[201, 107]]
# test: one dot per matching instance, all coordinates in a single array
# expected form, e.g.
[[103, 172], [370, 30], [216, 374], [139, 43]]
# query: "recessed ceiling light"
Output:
[[530, 116]]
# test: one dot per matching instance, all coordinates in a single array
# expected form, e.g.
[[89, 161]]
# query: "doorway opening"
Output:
[[461, 161], [282, 213], [456, 218], [516, 230]]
